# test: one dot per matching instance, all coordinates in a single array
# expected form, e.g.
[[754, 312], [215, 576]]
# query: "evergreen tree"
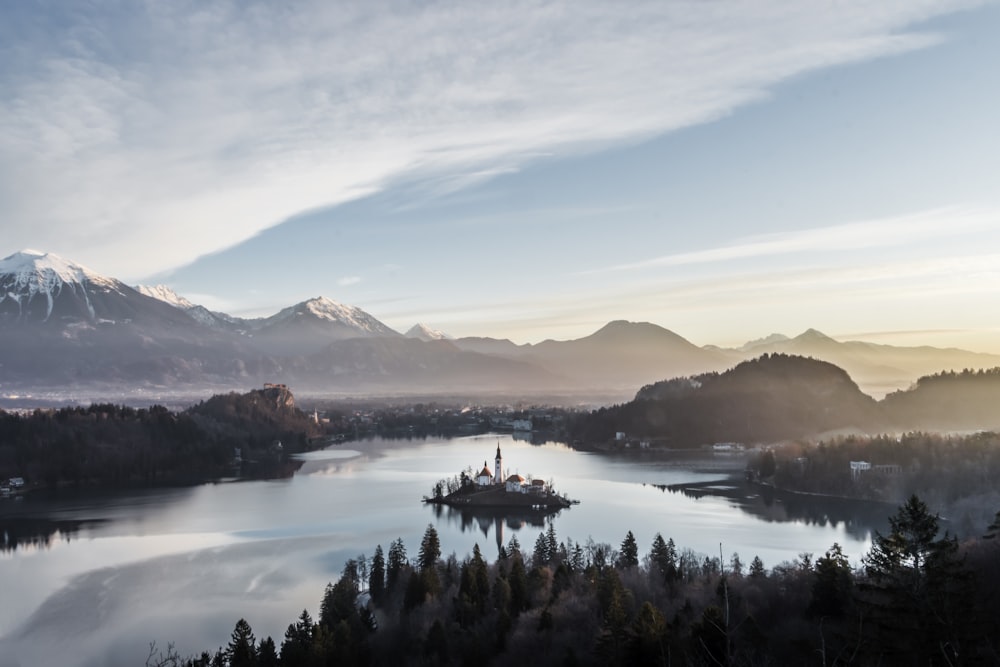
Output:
[[242, 648], [430, 552], [297, 644], [917, 590], [540, 556], [480, 571], [267, 654], [430, 549], [339, 603], [518, 580], [578, 560], [673, 571], [553, 544], [833, 584], [376, 576], [757, 570], [396, 563], [658, 557], [628, 557]]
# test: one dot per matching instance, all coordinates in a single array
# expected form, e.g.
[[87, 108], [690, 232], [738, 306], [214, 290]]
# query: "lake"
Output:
[[91, 577]]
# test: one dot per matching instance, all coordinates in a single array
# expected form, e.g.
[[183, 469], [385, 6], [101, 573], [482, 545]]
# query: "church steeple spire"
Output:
[[497, 471]]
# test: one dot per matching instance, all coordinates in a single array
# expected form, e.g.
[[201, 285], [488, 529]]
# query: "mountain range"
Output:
[[68, 330]]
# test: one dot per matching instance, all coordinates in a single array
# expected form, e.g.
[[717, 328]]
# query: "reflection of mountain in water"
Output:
[[859, 517], [472, 519], [20, 533]]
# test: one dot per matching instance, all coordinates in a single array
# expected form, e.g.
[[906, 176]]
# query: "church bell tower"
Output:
[[497, 471]]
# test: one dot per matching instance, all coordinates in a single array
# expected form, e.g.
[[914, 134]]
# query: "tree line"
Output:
[[117, 444], [918, 597], [777, 396], [955, 473]]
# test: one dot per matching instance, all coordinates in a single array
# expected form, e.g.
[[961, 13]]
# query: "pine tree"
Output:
[[267, 654], [833, 584], [658, 557], [553, 543], [629, 555], [376, 576], [430, 549], [242, 648], [396, 563], [540, 556], [298, 641], [917, 590], [339, 603]]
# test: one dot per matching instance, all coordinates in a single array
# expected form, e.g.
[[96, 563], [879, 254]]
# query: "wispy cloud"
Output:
[[878, 233], [349, 280], [188, 128]]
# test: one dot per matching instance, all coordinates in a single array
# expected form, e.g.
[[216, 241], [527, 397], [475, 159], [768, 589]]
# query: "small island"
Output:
[[490, 489]]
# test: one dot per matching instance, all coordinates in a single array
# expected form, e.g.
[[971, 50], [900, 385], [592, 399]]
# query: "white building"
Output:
[[859, 467], [517, 484], [485, 477]]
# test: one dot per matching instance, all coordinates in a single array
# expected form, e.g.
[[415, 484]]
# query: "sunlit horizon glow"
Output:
[[525, 171]]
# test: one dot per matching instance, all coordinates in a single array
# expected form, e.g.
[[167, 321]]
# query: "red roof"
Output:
[[486, 472], [516, 478]]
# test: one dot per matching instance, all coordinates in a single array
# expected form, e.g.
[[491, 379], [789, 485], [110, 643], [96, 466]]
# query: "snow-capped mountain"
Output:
[[43, 288], [425, 333], [310, 325], [328, 310], [165, 294], [201, 314], [66, 328]]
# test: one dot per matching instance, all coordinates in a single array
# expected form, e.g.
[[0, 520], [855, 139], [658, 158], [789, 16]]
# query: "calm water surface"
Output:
[[182, 565]]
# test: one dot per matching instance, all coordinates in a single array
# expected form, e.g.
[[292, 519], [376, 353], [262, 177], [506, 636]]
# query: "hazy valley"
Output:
[[71, 334]]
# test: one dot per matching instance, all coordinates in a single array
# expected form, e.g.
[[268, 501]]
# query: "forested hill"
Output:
[[113, 444], [948, 401], [258, 416], [773, 397]]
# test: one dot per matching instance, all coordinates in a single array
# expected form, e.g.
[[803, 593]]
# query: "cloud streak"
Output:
[[878, 233], [189, 128]]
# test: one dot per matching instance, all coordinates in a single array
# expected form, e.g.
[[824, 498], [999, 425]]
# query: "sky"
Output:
[[523, 170]]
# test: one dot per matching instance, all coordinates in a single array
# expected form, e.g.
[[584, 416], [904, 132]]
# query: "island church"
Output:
[[514, 483]]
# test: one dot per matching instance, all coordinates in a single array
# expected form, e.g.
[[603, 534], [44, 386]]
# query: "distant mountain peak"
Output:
[[337, 319], [41, 287], [325, 308], [814, 335], [770, 339], [617, 329], [425, 333], [41, 270], [165, 294]]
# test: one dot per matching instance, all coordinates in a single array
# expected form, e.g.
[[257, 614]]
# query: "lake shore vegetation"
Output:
[[917, 597]]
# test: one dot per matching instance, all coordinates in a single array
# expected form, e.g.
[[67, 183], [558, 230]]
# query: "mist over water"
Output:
[[118, 570]]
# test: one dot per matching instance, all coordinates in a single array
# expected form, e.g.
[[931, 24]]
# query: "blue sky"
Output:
[[725, 170]]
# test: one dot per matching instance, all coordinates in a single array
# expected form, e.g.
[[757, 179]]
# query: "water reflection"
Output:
[[859, 518], [35, 534], [267, 548], [483, 519]]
